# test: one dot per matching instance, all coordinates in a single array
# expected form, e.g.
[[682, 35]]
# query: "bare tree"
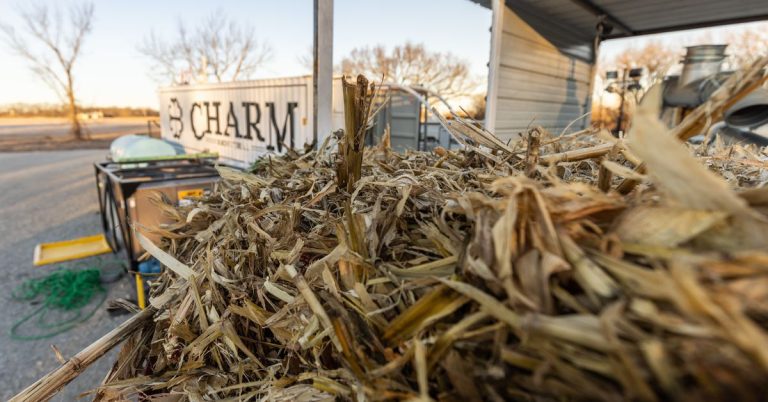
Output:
[[655, 57], [219, 49], [476, 108], [748, 45], [412, 64], [307, 60], [62, 39]]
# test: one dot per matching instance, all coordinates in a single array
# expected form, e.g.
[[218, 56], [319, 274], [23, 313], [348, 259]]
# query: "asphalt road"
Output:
[[44, 197], [22, 128]]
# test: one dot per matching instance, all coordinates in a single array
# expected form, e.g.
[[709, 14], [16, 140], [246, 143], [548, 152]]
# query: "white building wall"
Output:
[[536, 83]]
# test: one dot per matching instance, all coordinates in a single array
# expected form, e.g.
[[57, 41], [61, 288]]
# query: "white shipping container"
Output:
[[241, 121], [244, 120]]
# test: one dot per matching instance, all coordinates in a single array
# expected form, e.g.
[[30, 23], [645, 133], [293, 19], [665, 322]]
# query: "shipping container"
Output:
[[245, 120], [242, 120]]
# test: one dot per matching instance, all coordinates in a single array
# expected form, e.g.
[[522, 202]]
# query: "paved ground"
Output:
[[34, 134], [51, 127], [48, 196]]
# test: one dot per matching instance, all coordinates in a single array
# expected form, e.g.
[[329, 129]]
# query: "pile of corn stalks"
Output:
[[497, 272]]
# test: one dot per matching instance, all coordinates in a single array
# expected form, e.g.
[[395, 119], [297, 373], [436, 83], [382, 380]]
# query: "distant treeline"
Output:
[[50, 110]]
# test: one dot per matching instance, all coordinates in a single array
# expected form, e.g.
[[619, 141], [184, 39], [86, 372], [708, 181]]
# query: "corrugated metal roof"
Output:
[[571, 23], [563, 32], [651, 16]]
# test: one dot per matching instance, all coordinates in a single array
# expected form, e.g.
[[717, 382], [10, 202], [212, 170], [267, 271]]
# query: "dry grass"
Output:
[[481, 274], [497, 272]]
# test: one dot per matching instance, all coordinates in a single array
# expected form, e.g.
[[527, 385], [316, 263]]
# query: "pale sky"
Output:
[[112, 72]]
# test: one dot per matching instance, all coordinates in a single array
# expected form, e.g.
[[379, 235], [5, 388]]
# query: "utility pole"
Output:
[[630, 80], [623, 94], [322, 71]]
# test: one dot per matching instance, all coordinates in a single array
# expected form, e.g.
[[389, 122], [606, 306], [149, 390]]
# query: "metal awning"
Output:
[[528, 34], [630, 18]]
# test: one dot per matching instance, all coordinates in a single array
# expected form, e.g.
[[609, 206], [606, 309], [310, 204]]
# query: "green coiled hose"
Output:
[[65, 290]]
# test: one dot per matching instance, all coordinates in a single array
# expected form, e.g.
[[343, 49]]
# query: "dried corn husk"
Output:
[[467, 275]]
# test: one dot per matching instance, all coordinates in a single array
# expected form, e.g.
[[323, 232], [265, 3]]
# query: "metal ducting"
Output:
[[694, 93], [730, 135], [700, 77], [738, 135], [750, 112], [701, 62]]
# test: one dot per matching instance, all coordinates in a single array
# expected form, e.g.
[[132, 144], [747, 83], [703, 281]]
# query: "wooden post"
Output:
[[595, 54]]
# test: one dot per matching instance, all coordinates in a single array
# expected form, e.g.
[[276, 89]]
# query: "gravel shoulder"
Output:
[[49, 196], [49, 134]]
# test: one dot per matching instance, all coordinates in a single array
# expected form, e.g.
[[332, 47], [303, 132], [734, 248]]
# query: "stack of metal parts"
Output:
[[701, 76]]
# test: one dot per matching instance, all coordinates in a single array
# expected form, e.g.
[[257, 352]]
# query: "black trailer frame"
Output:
[[118, 181]]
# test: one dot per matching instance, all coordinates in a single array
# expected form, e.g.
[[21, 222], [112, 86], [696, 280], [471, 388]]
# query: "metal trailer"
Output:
[[128, 193], [125, 195], [404, 116]]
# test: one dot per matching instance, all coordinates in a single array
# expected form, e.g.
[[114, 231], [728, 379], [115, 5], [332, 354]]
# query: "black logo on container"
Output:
[[223, 119]]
